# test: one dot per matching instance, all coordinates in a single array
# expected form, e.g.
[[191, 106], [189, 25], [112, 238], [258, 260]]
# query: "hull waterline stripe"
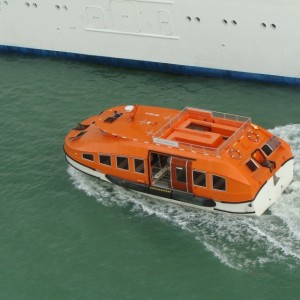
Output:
[[233, 212], [154, 66]]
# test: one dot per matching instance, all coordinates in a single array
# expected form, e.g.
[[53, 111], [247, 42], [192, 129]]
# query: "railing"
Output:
[[231, 117], [170, 124], [159, 137]]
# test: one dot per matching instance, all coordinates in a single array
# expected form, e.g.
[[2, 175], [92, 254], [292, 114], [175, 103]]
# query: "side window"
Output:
[[199, 178], [219, 183], [105, 159], [272, 144], [88, 156], [251, 165], [267, 149], [139, 166], [122, 163], [181, 174]]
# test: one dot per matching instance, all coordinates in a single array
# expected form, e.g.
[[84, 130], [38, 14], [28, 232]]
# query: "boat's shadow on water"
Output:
[[237, 241]]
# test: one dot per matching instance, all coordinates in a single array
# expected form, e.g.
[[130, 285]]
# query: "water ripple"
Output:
[[236, 241]]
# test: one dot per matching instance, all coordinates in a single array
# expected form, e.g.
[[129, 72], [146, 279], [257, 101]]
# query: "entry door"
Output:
[[181, 172]]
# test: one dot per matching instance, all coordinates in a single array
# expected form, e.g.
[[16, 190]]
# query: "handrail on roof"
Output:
[[158, 137]]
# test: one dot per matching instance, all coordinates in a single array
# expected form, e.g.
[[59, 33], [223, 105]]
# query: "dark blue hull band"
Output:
[[155, 66]]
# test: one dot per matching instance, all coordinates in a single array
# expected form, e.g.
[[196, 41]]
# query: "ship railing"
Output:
[[231, 117], [179, 117], [159, 137]]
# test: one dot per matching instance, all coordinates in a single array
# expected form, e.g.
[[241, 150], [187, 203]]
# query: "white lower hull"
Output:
[[267, 196], [86, 170], [236, 38], [273, 188]]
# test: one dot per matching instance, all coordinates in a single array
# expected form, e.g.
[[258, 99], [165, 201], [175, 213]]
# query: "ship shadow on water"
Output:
[[239, 242]]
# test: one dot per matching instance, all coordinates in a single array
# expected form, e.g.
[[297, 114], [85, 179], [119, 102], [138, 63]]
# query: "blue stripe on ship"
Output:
[[162, 67]]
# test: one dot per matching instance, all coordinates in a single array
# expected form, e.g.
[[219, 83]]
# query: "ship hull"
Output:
[[245, 40], [103, 177], [266, 197]]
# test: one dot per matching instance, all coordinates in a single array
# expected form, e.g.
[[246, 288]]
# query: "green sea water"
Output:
[[65, 235]]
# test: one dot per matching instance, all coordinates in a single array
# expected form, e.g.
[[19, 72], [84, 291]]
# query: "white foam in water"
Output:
[[237, 241]]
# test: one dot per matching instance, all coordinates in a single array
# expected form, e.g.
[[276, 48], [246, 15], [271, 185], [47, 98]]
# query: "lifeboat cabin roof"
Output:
[[191, 129]]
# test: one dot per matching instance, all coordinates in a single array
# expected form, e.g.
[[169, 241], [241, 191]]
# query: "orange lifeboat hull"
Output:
[[215, 161]]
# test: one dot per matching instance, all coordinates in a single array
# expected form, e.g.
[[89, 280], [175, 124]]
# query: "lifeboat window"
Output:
[[181, 174], [267, 149], [199, 178], [219, 183], [122, 163], [88, 156], [272, 144], [139, 166], [252, 165], [105, 160]]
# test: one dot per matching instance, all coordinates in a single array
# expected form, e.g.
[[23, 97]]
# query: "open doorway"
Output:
[[160, 170], [171, 172]]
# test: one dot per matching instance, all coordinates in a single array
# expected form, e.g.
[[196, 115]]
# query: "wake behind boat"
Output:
[[204, 159]]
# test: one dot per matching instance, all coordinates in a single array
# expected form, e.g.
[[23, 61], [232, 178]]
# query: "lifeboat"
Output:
[[199, 158]]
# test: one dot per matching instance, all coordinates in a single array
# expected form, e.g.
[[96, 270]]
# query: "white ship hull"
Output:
[[233, 38]]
